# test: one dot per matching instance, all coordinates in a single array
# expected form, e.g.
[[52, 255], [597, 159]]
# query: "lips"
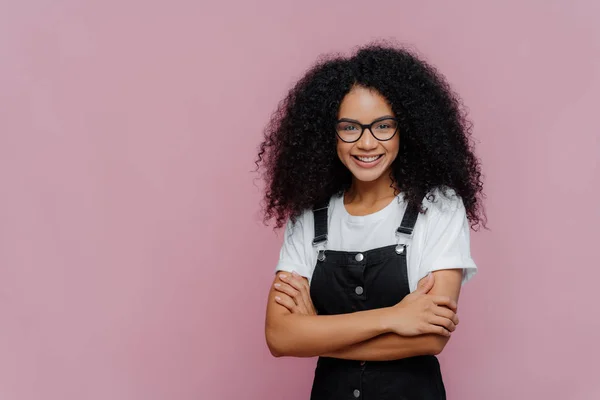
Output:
[[368, 159], [367, 162]]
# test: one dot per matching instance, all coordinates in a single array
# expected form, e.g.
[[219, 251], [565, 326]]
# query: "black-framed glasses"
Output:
[[350, 131]]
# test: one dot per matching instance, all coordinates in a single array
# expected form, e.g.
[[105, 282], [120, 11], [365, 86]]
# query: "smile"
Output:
[[369, 159]]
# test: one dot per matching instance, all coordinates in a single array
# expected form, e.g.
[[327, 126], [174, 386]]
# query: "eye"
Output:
[[383, 126], [346, 127]]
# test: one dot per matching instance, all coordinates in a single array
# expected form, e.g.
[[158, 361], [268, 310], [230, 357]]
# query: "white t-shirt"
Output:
[[440, 239]]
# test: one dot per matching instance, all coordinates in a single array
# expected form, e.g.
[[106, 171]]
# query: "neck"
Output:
[[371, 192]]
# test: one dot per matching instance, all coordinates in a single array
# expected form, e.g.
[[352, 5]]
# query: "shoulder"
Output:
[[304, 223], [443, 201], [296, 226], [444, 209]]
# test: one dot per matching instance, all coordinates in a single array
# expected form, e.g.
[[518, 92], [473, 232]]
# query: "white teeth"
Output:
[[367, 159]]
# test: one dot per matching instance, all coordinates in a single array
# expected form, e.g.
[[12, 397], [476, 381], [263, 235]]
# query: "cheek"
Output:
[[394, 148], [343, 150]]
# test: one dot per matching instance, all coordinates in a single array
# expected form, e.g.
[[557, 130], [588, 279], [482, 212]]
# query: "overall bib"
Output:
[[345, 282]]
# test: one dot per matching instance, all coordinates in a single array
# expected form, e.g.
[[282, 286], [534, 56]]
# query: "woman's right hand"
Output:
[[422, 313]]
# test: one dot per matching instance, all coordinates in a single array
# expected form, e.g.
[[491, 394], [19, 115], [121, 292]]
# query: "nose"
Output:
[[367, 140]]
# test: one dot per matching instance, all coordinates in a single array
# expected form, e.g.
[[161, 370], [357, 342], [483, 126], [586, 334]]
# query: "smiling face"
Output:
[[368, 159]]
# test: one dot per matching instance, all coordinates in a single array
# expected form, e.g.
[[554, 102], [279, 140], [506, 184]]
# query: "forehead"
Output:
[[364, 104]]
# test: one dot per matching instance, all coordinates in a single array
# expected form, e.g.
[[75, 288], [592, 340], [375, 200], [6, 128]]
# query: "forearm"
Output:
[[313, 335], [390, 346]]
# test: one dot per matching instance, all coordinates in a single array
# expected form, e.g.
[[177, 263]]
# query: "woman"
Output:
[[369, 161]]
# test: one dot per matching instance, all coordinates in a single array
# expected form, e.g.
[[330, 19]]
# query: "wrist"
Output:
[[385, 318]]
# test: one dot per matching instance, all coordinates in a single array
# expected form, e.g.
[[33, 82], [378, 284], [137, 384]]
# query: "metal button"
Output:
[[359, 257], [359, 290], [356, 393], [400, 248]]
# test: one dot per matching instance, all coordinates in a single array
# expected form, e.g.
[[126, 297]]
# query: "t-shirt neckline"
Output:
[[369, 218]]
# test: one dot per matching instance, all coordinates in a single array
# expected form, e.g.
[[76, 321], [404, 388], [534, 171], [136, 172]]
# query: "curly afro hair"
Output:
[[298, 155]]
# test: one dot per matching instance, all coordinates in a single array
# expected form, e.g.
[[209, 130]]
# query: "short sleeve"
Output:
[[447, 245], [292, 256]]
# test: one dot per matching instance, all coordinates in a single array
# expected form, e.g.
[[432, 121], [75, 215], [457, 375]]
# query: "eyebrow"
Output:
[[358, 122]]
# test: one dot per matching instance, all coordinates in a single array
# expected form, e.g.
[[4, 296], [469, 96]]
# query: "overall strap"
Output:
[[409, 220], [320, 215]]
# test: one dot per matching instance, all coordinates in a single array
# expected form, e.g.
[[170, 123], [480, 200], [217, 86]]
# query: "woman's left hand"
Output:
[[296, 288]]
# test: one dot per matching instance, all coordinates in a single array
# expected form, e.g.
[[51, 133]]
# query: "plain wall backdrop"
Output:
[[133, 261]]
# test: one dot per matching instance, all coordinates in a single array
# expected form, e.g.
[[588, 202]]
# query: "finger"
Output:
[[289, 283], [301, 284], [443, 322], [422, 281], [287, 302], [446, 313], [301, 280], [426, 284], [445, 301], [438, 330], [287, 289], [295, 280]]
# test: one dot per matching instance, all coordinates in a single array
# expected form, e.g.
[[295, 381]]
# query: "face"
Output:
[[368, 159]]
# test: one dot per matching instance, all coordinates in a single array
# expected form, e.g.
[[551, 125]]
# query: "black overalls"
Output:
[[344, 282]]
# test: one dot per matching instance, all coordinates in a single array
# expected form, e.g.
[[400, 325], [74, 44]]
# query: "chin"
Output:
[[366, 176]]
